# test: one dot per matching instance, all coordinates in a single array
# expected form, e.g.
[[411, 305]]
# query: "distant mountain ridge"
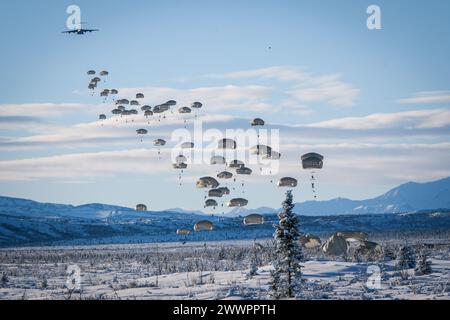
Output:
[[411, 206], [408, 197]]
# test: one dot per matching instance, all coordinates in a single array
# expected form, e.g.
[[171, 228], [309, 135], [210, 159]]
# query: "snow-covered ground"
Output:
[[215, 270]]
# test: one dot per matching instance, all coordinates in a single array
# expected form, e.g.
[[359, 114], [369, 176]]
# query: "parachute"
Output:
[[121, 108], [369, 248], [244, 171], [147, 112], [335, 246], [184, 110], [196, 106], [217, 160], [141, 207], [171, 103], [210, 203], [312, 161], [126, 113], [227, 144], [310, 241], [187, 145], [122, 101], [104, 93], [236, 164], [257, 122], [134, 103], [253, 219], [224, 190], [183, 232], [159, 143], [287, 182], [208, 183], [114, 91], [116, 111], [353, 235], [180, 159], [102, 117], [273, 155], [180, 165], [141, 132], [238, 202], [139, 96], [215, 193], [91, 72], [225, 175], [261, 150], [204, 225], [104, 73]]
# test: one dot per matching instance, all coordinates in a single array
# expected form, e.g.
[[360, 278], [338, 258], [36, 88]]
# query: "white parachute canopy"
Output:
[[210, 203], [217, 160], [335, 246], [253, 219], [225, 175], [141, 207], [183, 232], [207, 182], [204, 225], [310, 241], [287, 182], [238, 202], [187, 145], [227, 144]]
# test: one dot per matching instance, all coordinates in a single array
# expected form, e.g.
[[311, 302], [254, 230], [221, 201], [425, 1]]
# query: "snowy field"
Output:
[[212, 270]]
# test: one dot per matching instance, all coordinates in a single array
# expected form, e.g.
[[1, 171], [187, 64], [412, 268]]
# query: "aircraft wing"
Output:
[[70, 31], [90, 30]]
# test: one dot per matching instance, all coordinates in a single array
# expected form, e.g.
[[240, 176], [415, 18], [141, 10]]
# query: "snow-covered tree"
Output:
[[286, 277], [253, 270], [424, 266], [406, 258]]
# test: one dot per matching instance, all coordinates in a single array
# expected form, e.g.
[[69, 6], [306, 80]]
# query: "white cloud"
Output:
[[283, 73], [45, 110], [329, 89], [305, 87], [424, 97], [219, 98], [416, 119]]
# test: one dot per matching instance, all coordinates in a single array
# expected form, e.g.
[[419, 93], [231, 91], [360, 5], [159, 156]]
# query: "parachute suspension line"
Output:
[[313, 179]]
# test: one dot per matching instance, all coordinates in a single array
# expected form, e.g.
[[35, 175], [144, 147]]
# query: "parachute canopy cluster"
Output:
[[228, 171]]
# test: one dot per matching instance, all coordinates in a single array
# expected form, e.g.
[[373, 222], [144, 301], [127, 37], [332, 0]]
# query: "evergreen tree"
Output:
[[406, 258], [424, 266], [286, 277]]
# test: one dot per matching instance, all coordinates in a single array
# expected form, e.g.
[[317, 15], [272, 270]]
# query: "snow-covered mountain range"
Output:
[[408, 197], [412, 206]]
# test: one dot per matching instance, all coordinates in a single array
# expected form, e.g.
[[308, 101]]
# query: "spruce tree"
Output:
[[424, 266], [406, 258], [286, 277]]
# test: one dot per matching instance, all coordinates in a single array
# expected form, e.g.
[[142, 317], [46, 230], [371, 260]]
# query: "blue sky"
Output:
[[373, 102]]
